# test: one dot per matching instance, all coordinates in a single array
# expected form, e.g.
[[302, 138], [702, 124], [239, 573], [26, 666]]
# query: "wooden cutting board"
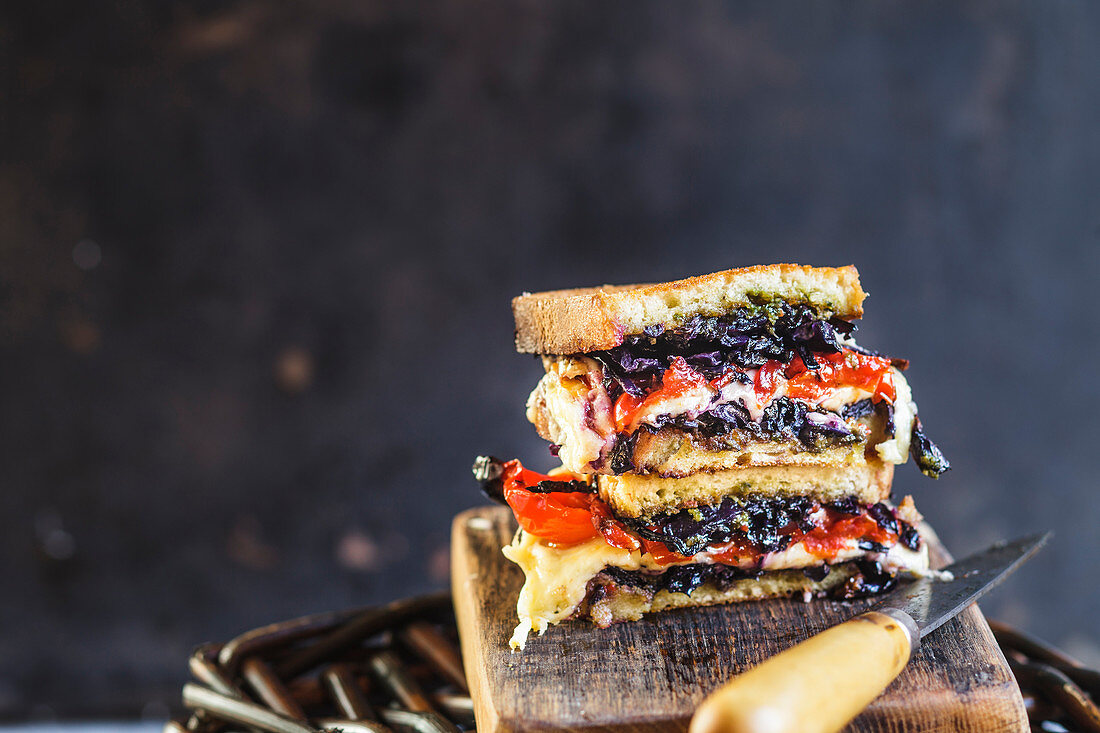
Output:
[[651, 674]]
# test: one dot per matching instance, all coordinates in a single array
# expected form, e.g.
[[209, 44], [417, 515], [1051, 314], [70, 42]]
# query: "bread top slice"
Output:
[[590, 319]]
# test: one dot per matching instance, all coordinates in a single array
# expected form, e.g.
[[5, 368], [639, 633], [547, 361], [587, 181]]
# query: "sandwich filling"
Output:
[[724, 382], [568, 536]]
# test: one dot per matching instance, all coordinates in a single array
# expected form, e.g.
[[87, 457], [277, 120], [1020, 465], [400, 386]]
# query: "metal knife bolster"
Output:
[[912, 630]]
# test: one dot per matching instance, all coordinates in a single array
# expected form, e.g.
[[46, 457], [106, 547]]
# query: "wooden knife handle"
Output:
[[816, 686]]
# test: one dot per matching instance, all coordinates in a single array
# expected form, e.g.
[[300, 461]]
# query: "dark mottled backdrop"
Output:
[[257, 258]]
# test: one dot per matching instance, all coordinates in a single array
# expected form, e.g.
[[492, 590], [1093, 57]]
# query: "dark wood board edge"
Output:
[[465, 573]]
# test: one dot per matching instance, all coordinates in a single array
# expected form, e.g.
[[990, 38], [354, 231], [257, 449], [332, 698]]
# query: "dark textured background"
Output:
[[257, 259]]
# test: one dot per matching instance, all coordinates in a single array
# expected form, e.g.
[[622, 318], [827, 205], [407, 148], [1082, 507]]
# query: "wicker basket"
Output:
[[397, 668]]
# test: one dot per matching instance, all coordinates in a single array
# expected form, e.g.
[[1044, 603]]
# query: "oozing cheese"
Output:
[[745, 394], [896, 450], [577, 416], [557, 578]]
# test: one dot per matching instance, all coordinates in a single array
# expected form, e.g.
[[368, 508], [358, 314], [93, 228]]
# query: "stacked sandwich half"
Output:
[[722, 438]]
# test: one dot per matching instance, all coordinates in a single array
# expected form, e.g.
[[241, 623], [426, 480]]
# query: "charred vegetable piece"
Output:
[[929, 458], [816, 573], [909, 536], [871, 580], [859, 409], [569, 487], [489, 473], [884, 517], [622, 455]]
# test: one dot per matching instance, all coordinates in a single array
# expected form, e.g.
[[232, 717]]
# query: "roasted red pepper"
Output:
[[768, 380], [834, 371], [561, 518], [826, 542], [678, 380]]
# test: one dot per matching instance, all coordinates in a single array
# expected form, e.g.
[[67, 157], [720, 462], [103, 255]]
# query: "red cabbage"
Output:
[[870, 579], [679, 578], [713, 343], [858, 409], [755, 520], [884, 517], [909, 536]]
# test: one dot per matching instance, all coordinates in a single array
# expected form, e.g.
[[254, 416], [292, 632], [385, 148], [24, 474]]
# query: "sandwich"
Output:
[[721, 438]]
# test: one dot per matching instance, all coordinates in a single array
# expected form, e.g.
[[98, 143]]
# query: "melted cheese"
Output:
[[840, 397], [563, 397], [557, 578], [896, 450], [745, 394], [690, 403]]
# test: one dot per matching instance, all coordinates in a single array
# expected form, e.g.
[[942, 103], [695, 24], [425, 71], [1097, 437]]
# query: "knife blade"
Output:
[[818, 686], [930, 603]]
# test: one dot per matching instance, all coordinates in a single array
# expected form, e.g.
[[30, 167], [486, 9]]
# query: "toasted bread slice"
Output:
[[672, 453], [633, 496], [608, 603], [589, 319]]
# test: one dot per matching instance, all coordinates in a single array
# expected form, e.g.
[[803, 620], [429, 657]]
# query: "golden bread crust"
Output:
[[580, 320]]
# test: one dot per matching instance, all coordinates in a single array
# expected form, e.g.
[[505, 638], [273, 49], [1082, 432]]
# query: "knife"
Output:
[[821, 684]]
